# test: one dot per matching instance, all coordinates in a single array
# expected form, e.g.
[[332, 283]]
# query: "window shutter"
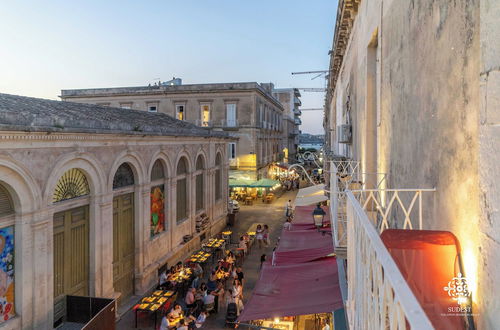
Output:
[[6, 205], [231, 115]]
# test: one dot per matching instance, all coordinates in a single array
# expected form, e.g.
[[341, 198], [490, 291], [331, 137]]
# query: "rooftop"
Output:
[[166, 89], [21, 113]]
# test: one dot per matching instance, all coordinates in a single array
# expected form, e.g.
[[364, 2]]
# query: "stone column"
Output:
[[101, 241], [211, 195], [169, 212], [191, 201], [24, 270], [142, 232], [173, 213], [43, 281]]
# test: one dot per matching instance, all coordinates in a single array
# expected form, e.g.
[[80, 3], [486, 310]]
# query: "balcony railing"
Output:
[[386, 208], [227, 123], [201, 123], [378, 295]]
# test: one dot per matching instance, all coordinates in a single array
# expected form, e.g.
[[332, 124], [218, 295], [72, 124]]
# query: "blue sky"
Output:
[[46, 46]]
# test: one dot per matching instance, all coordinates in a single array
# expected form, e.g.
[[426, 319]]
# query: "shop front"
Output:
[[249, 191]]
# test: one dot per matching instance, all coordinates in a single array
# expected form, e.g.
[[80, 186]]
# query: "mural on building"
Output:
[[157, 210], [6, 273]]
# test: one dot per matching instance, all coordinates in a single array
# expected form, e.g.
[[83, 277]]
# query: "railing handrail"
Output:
[[414, 313], [394, 189]]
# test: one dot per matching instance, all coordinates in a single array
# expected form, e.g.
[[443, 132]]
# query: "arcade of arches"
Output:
[[101, 219]]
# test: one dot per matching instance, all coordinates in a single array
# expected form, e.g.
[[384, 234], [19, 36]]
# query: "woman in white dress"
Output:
[[238, 294], [259, 235]]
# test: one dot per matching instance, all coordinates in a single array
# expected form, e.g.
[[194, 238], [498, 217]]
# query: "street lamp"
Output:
[[318, 216]]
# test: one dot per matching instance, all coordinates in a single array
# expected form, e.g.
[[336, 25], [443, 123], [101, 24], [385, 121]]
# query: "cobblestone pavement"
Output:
[[270, 214]]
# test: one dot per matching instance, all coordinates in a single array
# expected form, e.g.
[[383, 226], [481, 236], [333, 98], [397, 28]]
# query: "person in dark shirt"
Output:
[[241, 276], [262, 259]]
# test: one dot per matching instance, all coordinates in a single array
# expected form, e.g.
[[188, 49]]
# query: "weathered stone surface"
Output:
[[437, 69], [33, 114]]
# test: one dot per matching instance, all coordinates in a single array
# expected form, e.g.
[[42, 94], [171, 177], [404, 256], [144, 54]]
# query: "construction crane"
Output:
[[311, 109], [311, 72], [312, 89], [318, 73]]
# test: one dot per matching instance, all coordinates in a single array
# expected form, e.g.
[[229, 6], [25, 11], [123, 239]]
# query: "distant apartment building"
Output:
[[290, 98], [247, 110], [310, 141]]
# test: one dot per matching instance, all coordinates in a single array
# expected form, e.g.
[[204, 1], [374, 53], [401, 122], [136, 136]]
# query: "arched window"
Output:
[[158, 172], [71, 184], [200, 186], [158, 223], [182, 190], [124, 176], [218, 177], [6, 204]]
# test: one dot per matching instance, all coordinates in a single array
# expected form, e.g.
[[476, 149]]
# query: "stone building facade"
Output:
[[290, 98], [417, 86], [247, 111], [100, 199]]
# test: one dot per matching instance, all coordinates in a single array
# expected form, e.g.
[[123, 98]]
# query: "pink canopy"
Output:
[[298, 246], [303, 217], [295, 289]]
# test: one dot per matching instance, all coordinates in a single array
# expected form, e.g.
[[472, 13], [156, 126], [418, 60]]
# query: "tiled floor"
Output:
[[270, 214]]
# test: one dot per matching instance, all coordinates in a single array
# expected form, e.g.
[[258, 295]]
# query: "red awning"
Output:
[[295, 289], [428, 260], [298, 246], [303, 217]]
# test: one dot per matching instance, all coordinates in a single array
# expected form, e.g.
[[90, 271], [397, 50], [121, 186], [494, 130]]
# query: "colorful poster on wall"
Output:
[[6, 273], [157, 210]]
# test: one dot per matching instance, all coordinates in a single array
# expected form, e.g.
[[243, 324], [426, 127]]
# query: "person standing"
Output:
[[219, 295], [189, 300], [230, 299], [288, 208], [287, 225], [240, 275], [238, 294], [259, 235], [265, 235]]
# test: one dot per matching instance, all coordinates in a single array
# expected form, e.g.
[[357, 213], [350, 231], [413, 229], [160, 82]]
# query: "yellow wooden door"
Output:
[[71, 257], [123, 245]]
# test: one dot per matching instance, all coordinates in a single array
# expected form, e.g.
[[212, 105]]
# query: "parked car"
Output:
[[234, 205]]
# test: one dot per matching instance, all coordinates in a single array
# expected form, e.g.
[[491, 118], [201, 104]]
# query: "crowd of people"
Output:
[[205, 294], [212, 293], [290, 182]]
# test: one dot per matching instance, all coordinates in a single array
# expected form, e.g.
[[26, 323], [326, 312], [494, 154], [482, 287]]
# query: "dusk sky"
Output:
[[52, 45]]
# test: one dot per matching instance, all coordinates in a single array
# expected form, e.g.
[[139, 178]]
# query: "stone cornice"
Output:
[[346, 13], [7, 136], [170, 91]]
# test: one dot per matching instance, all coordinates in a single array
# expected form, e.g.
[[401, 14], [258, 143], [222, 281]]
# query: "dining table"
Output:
[[214, 245], [182, 275], [200, 257], [221, 275], [153, 303], [226, 235]]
